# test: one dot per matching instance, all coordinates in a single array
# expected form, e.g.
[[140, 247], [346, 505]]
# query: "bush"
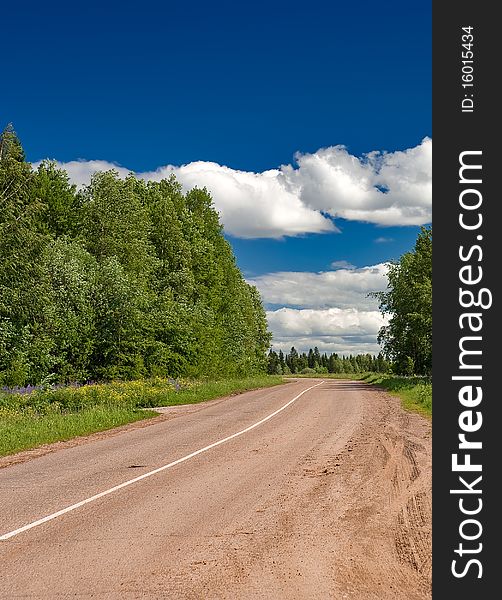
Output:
[[405, 366]]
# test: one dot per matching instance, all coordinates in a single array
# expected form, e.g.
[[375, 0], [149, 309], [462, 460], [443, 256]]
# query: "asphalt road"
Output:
[[327, 498]]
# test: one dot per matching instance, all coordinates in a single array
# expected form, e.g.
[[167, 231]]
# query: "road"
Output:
[[328, 498]]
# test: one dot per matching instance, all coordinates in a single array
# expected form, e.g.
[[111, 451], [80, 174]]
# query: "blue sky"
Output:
[[246, 86], [358, 244]]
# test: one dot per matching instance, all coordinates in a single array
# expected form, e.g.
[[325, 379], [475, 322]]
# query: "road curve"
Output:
[[329, 498]]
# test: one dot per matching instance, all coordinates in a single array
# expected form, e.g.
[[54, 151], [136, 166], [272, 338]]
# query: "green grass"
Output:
[[415, 392], [29, 432], [42, 417]]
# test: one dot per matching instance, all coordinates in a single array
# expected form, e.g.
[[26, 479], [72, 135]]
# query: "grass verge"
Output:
[[26, 432], [42, 417], [415, 392]]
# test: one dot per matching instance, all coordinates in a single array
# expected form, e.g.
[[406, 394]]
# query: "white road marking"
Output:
[[68, 509]]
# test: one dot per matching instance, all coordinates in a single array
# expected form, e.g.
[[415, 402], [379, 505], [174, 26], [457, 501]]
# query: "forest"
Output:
[[119, 280], [314, 362]]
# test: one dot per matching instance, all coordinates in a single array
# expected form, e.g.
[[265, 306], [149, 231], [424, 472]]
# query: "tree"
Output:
[[115, 223], [70, 308], [407, 339], [24, 343], [120, 324], [292, 360], [317, 356], [52, 187], [274, 365], [281, 360]]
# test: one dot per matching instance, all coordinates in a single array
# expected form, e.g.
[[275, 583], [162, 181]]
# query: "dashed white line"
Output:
[[115, 488]]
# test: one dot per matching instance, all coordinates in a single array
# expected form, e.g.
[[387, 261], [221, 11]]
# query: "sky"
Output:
[[309, 124]]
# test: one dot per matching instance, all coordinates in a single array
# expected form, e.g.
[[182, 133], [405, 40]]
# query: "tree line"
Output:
[[315, 362], [122, 279]]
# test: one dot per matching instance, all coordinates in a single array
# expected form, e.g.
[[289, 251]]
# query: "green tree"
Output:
[[70, 308], [274, 365], [292, 360], [115, 223], [407, 339], [52, 187], [281, 360], [24, 344], [118, 349]]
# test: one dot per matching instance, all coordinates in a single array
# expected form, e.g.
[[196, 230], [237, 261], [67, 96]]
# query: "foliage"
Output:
[[407, 339], [120, 280], [314, 362]]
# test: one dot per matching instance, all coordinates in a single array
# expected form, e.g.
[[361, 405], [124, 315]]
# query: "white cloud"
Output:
[[383, 240], [344, 288], [345, 331], [386, 188], [342, 264], [330, 310], [81, 171], [250, 204], [292, 322]]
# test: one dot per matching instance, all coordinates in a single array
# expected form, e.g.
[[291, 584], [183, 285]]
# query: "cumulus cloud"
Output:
[[385, 188], [292, 322], [345, 331], [330, 310], [251, 204], [344, 288], [81, 171]]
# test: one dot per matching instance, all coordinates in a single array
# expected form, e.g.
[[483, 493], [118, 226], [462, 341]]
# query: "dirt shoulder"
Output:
[[352, 520]]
